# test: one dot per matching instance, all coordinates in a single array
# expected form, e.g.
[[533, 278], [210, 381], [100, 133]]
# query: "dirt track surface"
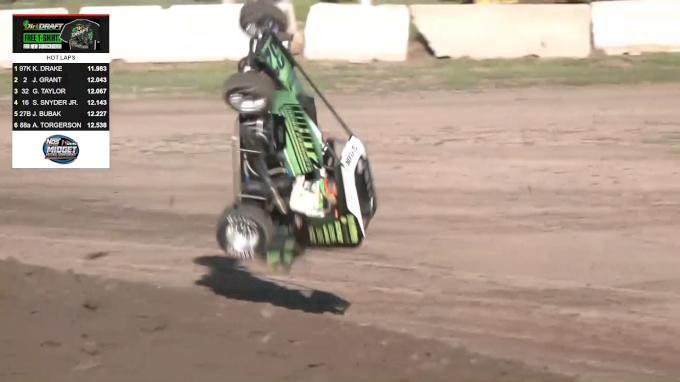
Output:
[[537, 225]]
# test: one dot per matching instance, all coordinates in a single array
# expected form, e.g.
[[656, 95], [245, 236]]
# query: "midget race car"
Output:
[[276, 140]]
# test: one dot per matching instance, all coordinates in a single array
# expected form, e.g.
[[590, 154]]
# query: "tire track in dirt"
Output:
[[471, 295], [543, 231]]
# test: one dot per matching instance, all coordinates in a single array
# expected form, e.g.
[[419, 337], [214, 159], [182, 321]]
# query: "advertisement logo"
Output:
[[81, 35], [42, 26], [61, 149]]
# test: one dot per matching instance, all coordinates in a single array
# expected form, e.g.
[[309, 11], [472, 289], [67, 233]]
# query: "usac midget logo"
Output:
[[61, 149]]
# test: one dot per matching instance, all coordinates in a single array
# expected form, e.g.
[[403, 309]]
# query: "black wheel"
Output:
[[259, 13], [245, 231], [249, 92]]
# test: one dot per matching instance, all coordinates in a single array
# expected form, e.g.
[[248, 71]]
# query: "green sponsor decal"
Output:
[[273, 55], [340, 231], [301, 144], [282, 256], [41, 38]]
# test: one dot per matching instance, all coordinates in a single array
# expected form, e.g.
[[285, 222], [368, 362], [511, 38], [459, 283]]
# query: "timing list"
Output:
[[60, 79], [61, 96]]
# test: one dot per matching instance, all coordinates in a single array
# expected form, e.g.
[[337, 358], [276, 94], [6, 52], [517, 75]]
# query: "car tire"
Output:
[[250, 83], [250, 217], [256, 11]]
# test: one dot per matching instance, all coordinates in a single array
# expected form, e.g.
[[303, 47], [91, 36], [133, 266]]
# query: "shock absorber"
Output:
[[256, 137]]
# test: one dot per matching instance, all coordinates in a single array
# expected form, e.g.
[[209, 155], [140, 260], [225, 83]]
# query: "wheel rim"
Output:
[[247, 103], [242, 237]]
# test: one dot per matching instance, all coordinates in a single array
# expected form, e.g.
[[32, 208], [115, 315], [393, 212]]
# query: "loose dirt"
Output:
[[535, 228]]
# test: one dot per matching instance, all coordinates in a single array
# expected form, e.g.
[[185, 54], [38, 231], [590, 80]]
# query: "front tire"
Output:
[[244, 231], [249, 86]]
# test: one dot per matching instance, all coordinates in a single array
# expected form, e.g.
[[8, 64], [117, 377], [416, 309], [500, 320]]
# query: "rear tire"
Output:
[[245, 219], [254, 12], [251, 84]]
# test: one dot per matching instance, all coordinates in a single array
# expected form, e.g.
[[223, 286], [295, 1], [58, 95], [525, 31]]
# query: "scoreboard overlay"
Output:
[[60, 91]]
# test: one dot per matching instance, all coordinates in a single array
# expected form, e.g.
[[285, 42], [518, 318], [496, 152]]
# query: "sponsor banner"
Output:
[[59, 149]]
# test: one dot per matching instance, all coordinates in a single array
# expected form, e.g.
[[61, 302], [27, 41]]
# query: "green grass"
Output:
[[669, 139], [207, 78], [302, 10]]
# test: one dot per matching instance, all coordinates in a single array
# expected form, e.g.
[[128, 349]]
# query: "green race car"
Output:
[[293, 188]]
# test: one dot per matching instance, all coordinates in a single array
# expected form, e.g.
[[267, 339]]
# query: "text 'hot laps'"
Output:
[[61, 57]]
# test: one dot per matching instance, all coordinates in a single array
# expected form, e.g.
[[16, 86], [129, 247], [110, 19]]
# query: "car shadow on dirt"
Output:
[[227, 277]]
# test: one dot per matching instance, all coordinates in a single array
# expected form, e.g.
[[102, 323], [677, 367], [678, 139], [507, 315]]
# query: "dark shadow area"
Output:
[[420, 39], [226, 277]]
